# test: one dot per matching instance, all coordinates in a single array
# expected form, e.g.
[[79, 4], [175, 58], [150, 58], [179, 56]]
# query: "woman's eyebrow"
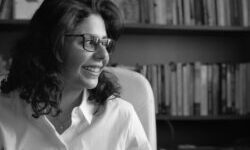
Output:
[[104, 37]]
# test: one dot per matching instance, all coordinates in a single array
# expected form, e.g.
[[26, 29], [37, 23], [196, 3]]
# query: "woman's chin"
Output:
[[90, 84]]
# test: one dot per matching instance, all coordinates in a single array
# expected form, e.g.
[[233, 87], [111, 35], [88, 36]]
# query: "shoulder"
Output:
[[11, 106], [13, 118], [120, 104], [6, 101], [120, 107]]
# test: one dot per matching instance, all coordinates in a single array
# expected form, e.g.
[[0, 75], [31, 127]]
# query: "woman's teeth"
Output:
[[92, 68]]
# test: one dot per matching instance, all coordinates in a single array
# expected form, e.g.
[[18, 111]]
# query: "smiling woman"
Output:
[[83, 59], [57, 89]]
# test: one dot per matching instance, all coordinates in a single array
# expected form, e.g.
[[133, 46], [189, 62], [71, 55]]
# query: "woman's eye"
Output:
[[90, 42]]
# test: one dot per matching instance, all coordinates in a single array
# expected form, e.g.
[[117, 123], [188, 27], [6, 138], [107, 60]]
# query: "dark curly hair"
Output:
[[37, 60]]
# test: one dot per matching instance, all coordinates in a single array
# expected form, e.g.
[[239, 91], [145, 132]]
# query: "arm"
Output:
[[136, 136], [1, 141]]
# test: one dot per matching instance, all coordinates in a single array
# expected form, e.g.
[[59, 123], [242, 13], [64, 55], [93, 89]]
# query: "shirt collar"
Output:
[[87, 108]]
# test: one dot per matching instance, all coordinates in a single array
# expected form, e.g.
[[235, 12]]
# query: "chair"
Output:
[[137, 90]]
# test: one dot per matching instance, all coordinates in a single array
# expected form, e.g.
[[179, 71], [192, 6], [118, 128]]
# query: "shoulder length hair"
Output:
[[37, 59]]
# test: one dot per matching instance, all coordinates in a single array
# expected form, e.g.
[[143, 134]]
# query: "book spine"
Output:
[[173, 89], [167, 87], [179, 90], [187, 13], [204, 89], [170, 12], [6, 9], [25, 9], [160, 12], [197, 86]]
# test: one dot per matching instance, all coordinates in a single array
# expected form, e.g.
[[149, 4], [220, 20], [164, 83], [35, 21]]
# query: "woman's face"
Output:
[[82, 68]]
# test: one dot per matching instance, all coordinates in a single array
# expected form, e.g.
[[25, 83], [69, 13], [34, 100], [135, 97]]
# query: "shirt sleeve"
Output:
[[1, 141], [136, 136]]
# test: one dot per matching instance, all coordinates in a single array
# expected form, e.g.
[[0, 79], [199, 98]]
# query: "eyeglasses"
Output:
[[90, 42]]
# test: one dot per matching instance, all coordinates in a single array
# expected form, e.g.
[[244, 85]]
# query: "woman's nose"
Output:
[[101, 52]]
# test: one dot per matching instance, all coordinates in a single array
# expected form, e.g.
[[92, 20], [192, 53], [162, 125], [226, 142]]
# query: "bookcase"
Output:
[[156, 44], [161, 44]]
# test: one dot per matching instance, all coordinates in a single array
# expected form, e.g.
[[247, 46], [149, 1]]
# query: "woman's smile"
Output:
[[92, 71]]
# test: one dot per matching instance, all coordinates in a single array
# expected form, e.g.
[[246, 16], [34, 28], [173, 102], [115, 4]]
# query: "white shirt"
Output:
[[116, 128]]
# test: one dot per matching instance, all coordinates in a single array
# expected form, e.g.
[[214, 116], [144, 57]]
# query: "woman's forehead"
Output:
[[93, 24]]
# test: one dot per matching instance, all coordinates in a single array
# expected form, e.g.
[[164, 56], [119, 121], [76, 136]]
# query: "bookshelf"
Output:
[[154, 44], [157, 44]]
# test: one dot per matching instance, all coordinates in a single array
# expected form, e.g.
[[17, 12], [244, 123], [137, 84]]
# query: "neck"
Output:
[[71, 98]]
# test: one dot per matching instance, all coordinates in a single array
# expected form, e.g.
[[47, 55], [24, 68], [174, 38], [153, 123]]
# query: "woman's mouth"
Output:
[[93, 69]]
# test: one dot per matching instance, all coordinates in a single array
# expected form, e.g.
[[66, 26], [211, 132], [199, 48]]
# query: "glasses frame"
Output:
[[97, 41]]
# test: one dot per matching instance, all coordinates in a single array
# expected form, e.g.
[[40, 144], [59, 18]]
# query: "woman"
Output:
[[57, 95]]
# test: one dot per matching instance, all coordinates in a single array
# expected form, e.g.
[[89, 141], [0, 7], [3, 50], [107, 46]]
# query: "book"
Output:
[[235, 12], [187, 90], [243, 91], [223, 79], [167, 87], [215, 89], [205, 12], [237, 89], [209, 89], [25, 9], [212, 12], [199, 12], [159, 86], [6, 9], [154, 86], [197, 88], [221, 15], [191, 92], [245, 12], [248, 88], [173, 90], [228, 12], [180, 14], [130, 10], [171, 12], [160, 12], [179, 77], [144, 11], [187, 12], [204, 90]]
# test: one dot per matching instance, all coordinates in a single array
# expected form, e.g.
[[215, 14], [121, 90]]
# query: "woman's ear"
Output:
[[59, 57], [58, 49]]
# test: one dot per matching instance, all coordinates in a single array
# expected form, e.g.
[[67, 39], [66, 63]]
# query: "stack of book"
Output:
[[18, 9], [204, 89], [187, 12]]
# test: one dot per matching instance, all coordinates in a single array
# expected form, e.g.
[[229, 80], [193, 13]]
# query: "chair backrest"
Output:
[[137, 90]]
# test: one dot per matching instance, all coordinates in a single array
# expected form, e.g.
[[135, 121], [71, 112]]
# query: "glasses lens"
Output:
[[90, 43], [110, 46]]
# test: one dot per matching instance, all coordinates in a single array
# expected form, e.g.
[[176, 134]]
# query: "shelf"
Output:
[[151, 29], [185, 30], [13, 25], [202, 118], [14, 22]]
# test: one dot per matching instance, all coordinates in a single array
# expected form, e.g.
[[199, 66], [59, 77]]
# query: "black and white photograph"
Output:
[[124, 74]]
